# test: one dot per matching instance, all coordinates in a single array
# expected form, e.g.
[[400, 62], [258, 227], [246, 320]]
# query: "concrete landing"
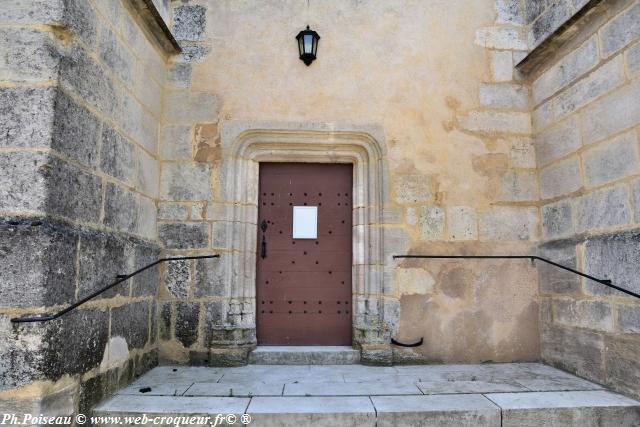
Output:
[[526, 394], [304, 355]]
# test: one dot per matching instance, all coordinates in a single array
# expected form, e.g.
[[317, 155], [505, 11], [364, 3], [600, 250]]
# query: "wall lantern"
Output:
[[307, 45]]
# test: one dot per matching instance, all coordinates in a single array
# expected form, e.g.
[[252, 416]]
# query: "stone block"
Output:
[[148, 174], [501, 65], [39, 181], [542, 116], [147, 219], [189, 22], [138, 123], [184, 236], [131, 321], [413, 188], [120, 208], [548, 22], [436, 410], [215, 316], [39, 263], [623, 367], [612, 113], [558, 141], [179, 75], [554, 280], [33, 11], [28, 55], [75, 343], [575, 350], [145, 284], [102, 257], [612, 160], [76, 131], [187, 318], [491, 122], [117, 156], [519, 186], [589, 408], [568, 69], [504, 95], [522, 152], [164, 321], [80, 74], [22, 356], [509, 223], [629, 318], [557, 220], [194, 52], [599, 82], [620, 31], [431, 222], [82, 20], [185, 181], [198, 211], [115, 55], [501, 38], [602, 209], [26, 116], [462, 223], [176, 143], [210, 277], [186, 107], [596, 315], [632, 57], [635, 189], [219, 234], [172, 211], [561, 178], [510, 12], [614, 256], [177, 277]]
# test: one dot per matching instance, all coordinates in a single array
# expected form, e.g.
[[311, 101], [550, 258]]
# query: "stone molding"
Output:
[[247, 148]]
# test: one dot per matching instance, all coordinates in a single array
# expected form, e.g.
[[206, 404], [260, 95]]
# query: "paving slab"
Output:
[[121, 404], [312, 411], [567, 408], [235, 390], [436, 410], [167, 389], [351, 389], [445, 387]]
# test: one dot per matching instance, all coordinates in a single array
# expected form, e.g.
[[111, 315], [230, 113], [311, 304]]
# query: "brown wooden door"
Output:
[[304, 285]]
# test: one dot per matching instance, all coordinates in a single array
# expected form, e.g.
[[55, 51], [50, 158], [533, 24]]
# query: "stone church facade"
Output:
[[132, 130]]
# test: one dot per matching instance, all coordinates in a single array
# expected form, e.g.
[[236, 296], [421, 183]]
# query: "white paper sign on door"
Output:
[[305, 222]]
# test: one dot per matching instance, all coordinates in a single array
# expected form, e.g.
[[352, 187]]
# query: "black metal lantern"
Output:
[[308, 45]]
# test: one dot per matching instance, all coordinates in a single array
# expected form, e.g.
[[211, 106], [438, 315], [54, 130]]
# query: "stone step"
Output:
[[566, 409], [304, 355], [523, 395]]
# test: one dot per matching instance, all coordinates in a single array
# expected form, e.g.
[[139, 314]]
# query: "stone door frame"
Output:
[[243, 150]]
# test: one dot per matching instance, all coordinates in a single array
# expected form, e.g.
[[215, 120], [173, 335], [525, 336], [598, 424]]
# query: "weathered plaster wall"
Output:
[[586, 119], [80, 104], [438, 78]]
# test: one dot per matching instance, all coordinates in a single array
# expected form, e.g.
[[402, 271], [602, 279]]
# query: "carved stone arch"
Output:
[[244, 146]]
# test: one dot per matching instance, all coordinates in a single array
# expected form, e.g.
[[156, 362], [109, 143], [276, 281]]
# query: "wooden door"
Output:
[[304, 284]]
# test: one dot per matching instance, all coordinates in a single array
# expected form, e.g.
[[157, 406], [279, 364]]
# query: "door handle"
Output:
[[263, 246]]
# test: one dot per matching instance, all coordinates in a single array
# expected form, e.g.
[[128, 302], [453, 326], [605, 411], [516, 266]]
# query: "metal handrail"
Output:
[[605, 282], [121, 278]]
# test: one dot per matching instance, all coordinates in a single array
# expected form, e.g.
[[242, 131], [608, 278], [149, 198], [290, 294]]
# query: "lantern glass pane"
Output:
[[315, 46], [308, 43], [301, 46]]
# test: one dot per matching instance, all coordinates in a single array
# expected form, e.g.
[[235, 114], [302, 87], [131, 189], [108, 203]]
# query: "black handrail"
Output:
[[121, 278], [605, 282]]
